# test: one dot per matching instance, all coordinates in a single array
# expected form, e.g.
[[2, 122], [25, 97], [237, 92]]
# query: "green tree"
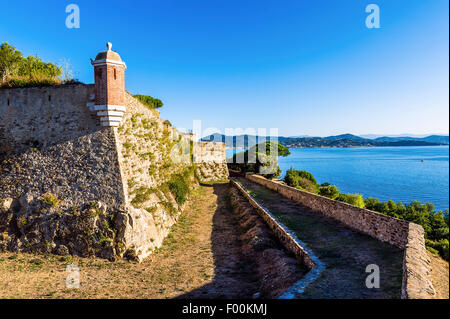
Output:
[[33, 67], [261, 158], [352, 199], [330, 191], [149, 101], [10, 60], [301, 179]]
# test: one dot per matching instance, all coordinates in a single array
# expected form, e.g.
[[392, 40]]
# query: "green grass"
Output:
[[50, 199]]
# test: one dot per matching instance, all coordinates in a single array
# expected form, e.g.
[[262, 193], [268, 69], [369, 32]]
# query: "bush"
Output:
[[441, 247], [143, 194], [352, 199], [373, 204], [302, 179], [179, 187], [307, 185], [149, 101], [23, 82], [19, 71], [329, 191], [432, 250], [307, 175]]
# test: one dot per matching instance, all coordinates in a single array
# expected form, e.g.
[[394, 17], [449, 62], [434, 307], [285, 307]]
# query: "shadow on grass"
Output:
[[234, 275]]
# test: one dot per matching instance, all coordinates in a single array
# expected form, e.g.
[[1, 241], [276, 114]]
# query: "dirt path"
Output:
[[345, 252], [203, 257], [439, 276]]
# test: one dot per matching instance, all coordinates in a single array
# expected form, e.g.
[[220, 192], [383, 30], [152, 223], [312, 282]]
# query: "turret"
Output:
[[109, 72]]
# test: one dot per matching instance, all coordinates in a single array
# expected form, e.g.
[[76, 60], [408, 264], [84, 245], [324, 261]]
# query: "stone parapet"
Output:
[[400, 233]]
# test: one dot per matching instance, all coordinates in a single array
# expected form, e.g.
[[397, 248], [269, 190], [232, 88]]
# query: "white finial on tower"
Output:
[[109, 46]]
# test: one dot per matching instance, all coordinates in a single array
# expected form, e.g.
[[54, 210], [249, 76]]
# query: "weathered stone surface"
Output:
[[5, 204], [210, 160], [67, 181], [62, 250], [286, 237], [416, 266], [146, 154]]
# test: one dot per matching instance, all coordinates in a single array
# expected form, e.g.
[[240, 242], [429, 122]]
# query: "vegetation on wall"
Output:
[[149, 101], [179, 186], [435, 223], [261, 158], [19, 71]]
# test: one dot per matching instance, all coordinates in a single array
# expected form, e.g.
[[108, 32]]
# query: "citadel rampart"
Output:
[[87, 174], [210, 159], [400, 233]]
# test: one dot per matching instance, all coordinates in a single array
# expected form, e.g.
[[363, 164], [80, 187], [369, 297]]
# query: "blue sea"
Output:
[[399, 173]]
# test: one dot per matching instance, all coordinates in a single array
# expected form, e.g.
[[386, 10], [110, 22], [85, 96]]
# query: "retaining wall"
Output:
[[286, 237]]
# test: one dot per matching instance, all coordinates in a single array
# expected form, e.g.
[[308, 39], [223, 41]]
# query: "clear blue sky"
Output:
[[304, 67]]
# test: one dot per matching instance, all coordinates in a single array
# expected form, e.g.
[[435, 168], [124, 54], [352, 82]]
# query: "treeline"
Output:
[[435, 223], [19, 71]]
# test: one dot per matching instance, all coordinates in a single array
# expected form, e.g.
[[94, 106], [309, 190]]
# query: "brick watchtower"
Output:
[[109, 87]]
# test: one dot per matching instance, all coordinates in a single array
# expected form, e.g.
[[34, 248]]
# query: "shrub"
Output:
[[307, 175], [301, 179], [307, 185], [373, 204], [179, 187], [440, 247], [51, 199], [432, 250], [149, 101], [142, 195], [352, 199], [19, 71], [329, 191]]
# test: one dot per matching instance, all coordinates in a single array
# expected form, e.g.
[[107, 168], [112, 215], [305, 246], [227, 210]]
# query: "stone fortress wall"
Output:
[[83, 177], [52, 143], [210, 160], [400, 233]]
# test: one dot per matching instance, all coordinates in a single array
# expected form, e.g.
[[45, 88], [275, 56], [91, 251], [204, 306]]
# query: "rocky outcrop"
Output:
[[38, 223]]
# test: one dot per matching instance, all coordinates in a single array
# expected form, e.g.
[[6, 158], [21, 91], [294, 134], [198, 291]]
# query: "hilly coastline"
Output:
[[344, 140]]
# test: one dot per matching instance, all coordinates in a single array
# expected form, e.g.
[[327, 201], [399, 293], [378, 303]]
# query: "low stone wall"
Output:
[[385, 228], [286, 237], [416, 266], [400, 233]]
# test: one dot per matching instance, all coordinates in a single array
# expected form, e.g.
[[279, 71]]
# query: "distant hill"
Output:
[[343, 140], [345, 137], [239, 141], [431, 139]]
